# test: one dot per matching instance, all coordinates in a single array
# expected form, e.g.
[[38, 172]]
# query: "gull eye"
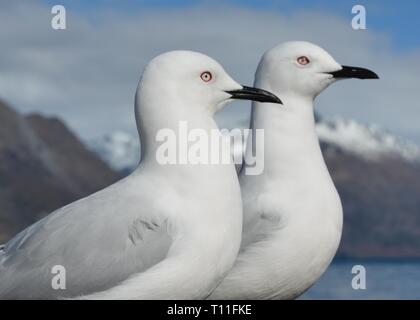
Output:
[[303, 61], [206, 76]]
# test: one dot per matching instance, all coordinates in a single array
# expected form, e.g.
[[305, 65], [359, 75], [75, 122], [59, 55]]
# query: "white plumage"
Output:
[[292, 212]]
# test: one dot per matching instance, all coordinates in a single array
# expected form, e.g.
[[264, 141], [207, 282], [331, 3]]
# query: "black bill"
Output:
[[354, 72], [254, 94]]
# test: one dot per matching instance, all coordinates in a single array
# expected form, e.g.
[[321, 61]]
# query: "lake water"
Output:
[[384, 280]]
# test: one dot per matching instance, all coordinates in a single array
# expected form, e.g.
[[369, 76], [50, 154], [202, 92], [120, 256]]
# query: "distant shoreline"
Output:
[[377, 260]]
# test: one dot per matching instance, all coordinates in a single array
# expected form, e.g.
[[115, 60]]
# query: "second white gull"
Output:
[[292, 211]]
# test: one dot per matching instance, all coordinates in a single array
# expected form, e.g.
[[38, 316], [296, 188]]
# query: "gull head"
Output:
[[303, 68], [194, 80]]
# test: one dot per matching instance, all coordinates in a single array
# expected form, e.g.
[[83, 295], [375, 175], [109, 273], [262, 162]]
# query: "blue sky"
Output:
[[397, 18], [89, 72]]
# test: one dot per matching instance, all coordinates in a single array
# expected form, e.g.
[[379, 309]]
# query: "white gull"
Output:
[[292, 211], [163, 232]]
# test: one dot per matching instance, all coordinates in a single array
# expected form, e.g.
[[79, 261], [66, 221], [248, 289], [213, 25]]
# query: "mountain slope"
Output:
[[381, 202], [120, 150], [43, 166], [378, 178]]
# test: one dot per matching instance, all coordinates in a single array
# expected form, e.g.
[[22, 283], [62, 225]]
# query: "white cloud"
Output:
[[88, 73]]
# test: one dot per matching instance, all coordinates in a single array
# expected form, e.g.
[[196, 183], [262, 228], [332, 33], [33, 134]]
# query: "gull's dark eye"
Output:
[[303, 60], [206, 76]]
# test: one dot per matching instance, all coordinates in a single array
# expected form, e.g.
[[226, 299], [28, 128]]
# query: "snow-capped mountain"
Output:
[[371, 142], [121, 150]]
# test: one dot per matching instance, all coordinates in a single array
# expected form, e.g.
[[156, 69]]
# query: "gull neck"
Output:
[[164, 112], [290, 139]]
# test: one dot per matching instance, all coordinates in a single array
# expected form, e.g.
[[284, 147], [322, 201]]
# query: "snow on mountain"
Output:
[[121, 150], [368, 141]]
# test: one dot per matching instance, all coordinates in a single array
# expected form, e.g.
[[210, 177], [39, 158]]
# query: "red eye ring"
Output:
[[206, 76], [303, 60]]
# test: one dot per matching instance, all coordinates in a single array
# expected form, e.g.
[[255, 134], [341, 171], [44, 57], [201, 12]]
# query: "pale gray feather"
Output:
[[89, 237]]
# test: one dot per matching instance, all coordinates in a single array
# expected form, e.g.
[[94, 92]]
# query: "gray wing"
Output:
[[100, 241]]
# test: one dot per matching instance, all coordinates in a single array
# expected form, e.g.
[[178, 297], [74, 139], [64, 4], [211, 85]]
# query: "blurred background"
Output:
[[67, 125]]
